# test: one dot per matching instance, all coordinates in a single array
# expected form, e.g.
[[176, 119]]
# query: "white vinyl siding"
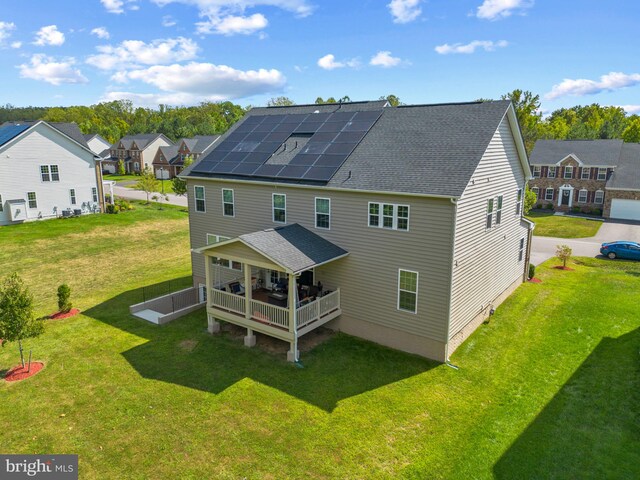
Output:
[[582, 196], [602, 173], [72, 196], [548, 195], [211, 239], [568, 172], [279, 204], [33, 201], [586, 173], [389, 215], [323, 212], [228, 204], [199, 196], [407, 291], [599, 197]]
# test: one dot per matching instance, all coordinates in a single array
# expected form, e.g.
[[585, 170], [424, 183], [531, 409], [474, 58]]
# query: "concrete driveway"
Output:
[[544, 248]]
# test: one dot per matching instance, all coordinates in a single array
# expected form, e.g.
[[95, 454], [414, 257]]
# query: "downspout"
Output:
[[454, 201], [100, 186]]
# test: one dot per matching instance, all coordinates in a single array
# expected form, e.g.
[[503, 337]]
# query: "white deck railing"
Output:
[[317, 309], [270, 314], [228, 301]]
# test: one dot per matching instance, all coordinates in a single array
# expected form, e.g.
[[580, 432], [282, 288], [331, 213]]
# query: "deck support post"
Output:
[[293, 353], [213, 326], [250, 339], [248, 292]]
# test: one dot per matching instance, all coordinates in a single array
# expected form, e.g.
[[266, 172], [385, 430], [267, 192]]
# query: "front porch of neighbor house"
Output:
[[274, 292]]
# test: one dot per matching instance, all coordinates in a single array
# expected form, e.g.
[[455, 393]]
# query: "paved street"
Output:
[[543, 248]]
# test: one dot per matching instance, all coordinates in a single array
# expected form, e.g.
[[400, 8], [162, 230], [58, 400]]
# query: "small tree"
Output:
[[180, 185], [160, 197], [121, 170], [64, 295], [17, 321], [148, 183], [530, 199], [563, 253]]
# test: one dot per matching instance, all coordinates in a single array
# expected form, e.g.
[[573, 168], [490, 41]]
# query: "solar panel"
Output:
[[334, 127], [314, 147], [308, 127], [11, 131], [246, 168], [349, 137], [245, 146], [341, 116], [256, 136], [358, 127], [330, 160], [268, 171], [320, 174], [235, 157], [292, 171], [304, 159], [277, 136], [224, 167], [256, 157]]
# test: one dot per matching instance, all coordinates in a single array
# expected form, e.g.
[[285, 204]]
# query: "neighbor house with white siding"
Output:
[[46, 170], [400, 225]]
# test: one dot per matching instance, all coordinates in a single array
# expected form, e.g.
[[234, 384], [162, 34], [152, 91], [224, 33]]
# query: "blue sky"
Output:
[[72, 52]]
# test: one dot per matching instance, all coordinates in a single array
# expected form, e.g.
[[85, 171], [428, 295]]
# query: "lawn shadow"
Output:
[[590, 428], [337, 369]]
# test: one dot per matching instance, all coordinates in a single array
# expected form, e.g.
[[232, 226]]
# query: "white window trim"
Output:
[[415, 312], [94, 194], [521, 250], [195, 199], [546, 194], [215, 238], [394, 222], [488, 214], [604, 171], [555, 172], [567, 169], [51, 172], [536, 171], [586, 170], [232, 203], [73, 197], [316, 213], [499, 207], [273, 207], [519, 199], [586, 195], [42, 174], [35, 199], [595, 198]]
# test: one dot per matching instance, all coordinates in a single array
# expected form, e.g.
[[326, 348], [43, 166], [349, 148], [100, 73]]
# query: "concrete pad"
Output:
[[149, 316]]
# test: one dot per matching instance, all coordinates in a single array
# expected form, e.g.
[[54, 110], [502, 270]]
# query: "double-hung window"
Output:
[[519, 202], [55, 173], [72, 196], [568, 172], [389, 215], [279, 203], [407, 291], [44, 173], [548, 194], [551, 173], [582, 196], [498, 209], [94, 194], [489, 213], [599, 197], [228, 208], [199, 198], [536, 190], [602, 173], [323, 213], [585, 173], [31, 198], [536, 172]]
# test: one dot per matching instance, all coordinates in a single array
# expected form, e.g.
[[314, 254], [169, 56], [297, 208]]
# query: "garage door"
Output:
[[625, 209]]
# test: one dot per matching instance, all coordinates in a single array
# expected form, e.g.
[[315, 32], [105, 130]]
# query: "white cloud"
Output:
[[100, 32], [49, 35], [385, 60], [607, 83], [207, 80], [118, 6], [486, 45], [16, 44], [168, 21], [631, 109], [152, 100], [405, 11], [134, 53], [5, 31], [47, 69], [232, 25], [496, 9], [328, 62], [228, 17]]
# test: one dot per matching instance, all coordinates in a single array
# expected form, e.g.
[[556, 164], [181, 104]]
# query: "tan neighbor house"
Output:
[[169, 160], [136, 151], [400, 225]]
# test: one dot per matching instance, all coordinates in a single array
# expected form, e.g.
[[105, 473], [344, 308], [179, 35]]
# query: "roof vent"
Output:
[[316, 111]]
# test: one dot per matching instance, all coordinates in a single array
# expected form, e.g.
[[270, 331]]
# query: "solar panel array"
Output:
[[247, 150], [11, 131]]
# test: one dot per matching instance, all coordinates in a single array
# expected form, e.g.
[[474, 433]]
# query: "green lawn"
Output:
[[547, 389], [122, 178], [550, 225]]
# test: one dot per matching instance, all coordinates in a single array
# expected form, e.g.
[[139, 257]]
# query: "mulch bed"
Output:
[[63, 315], [535, 280], [20, 373], [560, 267]]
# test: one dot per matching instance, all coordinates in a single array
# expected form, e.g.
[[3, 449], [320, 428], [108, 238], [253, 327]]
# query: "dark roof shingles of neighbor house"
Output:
[[293, 247], [71, 130], [627, 174], [141, 140], [590, 152], [421, 149]]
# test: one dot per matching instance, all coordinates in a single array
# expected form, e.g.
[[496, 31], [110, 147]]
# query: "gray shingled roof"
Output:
[[590, 152], [627, 175], [141, 139], [293, 247], [421, 149], [71, 130]]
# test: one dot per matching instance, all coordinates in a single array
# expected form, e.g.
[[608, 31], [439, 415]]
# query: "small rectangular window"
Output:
[[33, 202], [548, 195], [279, 201], [585, 173], [211, 238], [94, 194], [231, 265], [489, 213], [521, 250], [568, 172], [55, 173], [602, 173], [499, 210], [536, 190], [582, 196], [599, 197], [44, 172], [323, 213], [72, 196], [227, 202], [1, 206], [552, 172], [519, 202], [536, 172], [199, 198], [407, 291], [389, 215]]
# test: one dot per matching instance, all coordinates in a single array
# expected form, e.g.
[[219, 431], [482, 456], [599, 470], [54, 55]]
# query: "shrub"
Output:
[[64, 295], [532, 270], [111, 208], [575, 209], [549, 206], [122, 205]]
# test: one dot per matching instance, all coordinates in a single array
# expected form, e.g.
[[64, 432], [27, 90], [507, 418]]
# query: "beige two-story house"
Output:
[[400, 225], [169, 161], [136, 151]]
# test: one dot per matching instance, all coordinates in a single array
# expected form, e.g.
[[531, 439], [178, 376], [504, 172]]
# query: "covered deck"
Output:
[[275, 294]]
